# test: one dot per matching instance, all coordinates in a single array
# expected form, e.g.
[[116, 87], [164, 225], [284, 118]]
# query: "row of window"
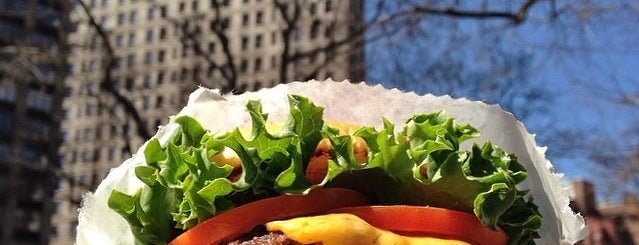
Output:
[[106, 3], [131, 60], [132, 16], [91, 88], [90, 109], [90, 134], [86, 156], [132, 37]]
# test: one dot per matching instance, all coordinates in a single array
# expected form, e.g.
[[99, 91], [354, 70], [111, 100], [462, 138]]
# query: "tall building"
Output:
[[32, 71], [153, 53]]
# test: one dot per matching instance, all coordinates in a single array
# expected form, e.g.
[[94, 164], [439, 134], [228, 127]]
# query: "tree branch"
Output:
[[105, 84], [516, 17]]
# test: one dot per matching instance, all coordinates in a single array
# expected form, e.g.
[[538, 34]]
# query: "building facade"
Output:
[[611, 224], [32, 72], [154, 53]]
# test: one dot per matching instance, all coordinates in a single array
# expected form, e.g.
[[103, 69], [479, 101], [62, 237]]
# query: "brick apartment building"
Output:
[[607, 224]]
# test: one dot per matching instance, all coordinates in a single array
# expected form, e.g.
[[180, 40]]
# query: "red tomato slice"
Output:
[[428, 221], [240, 220]]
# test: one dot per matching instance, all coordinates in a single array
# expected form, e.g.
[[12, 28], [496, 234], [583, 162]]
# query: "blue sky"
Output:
[[587, 58]]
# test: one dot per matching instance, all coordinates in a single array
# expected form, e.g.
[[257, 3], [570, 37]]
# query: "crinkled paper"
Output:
[[348, 102]]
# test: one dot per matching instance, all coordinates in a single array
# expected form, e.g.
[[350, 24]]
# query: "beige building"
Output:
[[164, 49]]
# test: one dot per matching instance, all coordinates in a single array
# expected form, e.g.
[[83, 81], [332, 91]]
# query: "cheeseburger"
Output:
[[311, 181]]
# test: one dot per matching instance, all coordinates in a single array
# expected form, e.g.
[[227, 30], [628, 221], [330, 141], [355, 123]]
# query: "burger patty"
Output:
[[270, 238]]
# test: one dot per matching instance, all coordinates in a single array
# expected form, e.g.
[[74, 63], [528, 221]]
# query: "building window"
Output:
[[159, 102], [120, 19], [65, 137], [86, 155], [273, 61], [162, 33], [161, 55], [194, 5], [243, 65], [111, 154], [119, 41], [259, 18], [89, 109], [150, 14], [149, 36], [225, 24], [181, 7], [258, 41], [244, 43], [39, 101], [114, 131], [92, 89], [129, 83], [133, 17], [93, 43], [148, 57], [104, 22], [96, 155], [68, 91], [160, 79], [116, 84], [71, 69], [145, 102], [66, 113], [92, 64], [315, 29], [185, 49], [273, 37], [6, 124], [258, 64], [130, 60], [328, 7], [147, 81], [184, 74], [118, 63], [163, 11], [132, 39], [88, 134], [296, 34], [245, 20]]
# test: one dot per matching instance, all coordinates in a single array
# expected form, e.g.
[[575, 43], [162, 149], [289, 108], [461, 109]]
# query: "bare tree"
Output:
[[445, 47], [441, 50]]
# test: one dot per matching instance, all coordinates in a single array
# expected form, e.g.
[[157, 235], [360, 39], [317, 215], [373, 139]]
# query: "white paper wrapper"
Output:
[[348, 102]]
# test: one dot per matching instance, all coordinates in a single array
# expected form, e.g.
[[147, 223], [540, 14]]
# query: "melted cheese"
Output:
[[338, 229]]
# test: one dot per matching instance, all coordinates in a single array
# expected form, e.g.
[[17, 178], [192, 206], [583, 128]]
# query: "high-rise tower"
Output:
[[133, 62]]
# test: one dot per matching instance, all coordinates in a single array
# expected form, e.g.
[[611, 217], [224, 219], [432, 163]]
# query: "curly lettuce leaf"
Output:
[[424, 165]]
